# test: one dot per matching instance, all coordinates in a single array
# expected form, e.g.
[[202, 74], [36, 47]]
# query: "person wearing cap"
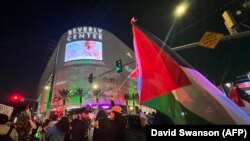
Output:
[[5, 129], [117, 127]]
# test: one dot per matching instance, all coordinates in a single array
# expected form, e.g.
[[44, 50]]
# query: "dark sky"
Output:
[[30, 29]]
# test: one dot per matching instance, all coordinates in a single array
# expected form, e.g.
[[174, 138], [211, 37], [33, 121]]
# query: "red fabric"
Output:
[[156, 75], [235, 97], [134, 73]]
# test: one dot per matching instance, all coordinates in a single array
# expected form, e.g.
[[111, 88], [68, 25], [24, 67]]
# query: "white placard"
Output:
[[7, 110]]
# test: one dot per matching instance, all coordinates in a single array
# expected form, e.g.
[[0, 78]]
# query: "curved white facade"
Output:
[[71, 66]]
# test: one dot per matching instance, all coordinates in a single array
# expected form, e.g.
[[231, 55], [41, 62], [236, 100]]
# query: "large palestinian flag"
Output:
[[168, 84]]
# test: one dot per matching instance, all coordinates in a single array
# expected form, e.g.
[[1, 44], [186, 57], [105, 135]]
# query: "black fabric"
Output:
[[7, 136], [162, 119], [116, 131], [79, 130], [100, 134]]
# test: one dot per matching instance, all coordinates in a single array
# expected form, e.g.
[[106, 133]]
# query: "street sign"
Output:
[[7, 110], [210, 39]]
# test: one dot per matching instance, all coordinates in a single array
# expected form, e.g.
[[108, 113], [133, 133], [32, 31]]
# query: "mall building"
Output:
[[82, 51]]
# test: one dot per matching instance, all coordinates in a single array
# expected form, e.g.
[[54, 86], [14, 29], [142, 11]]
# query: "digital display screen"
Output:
[[83, 50]]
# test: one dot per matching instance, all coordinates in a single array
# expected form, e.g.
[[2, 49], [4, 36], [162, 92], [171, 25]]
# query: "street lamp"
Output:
[[180, 10], [47, 87], [95, 86]]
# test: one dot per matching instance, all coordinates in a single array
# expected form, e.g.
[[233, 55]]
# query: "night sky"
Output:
[[30, 30]]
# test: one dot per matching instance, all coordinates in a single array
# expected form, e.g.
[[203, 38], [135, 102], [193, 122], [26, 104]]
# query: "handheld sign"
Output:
[[7, 110]]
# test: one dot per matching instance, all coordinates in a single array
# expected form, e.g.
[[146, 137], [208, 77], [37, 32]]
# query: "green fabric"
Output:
[[168, 105]]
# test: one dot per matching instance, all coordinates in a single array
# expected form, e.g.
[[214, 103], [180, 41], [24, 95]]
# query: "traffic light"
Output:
[[58, 111], [90, 78], [16, 98], [118, 66]]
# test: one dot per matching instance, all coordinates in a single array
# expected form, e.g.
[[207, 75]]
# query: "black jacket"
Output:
[[79, 130], [116, 131], [100, 134]]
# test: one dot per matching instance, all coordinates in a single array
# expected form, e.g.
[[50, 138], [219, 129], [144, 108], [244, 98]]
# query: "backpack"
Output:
[[7, 136]]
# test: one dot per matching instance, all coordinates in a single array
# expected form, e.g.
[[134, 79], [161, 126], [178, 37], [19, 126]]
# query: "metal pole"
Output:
[[113, 69], [225, 38], [192, 45], [25, 99]]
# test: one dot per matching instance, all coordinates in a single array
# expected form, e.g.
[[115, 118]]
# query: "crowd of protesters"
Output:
[[107, 125], [71, 127]]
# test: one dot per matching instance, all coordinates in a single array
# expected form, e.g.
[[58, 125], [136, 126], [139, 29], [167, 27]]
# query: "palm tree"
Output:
[[96, 93], [135, 97], [64, 94], [79, 92], [126, 97]]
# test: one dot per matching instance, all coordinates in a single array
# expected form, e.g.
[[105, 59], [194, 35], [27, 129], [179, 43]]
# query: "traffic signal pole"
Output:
[[225, 38], [113, 69], [188, 46]]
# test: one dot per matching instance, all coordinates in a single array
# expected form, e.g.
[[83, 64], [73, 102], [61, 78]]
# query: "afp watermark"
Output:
[[196, 131]]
